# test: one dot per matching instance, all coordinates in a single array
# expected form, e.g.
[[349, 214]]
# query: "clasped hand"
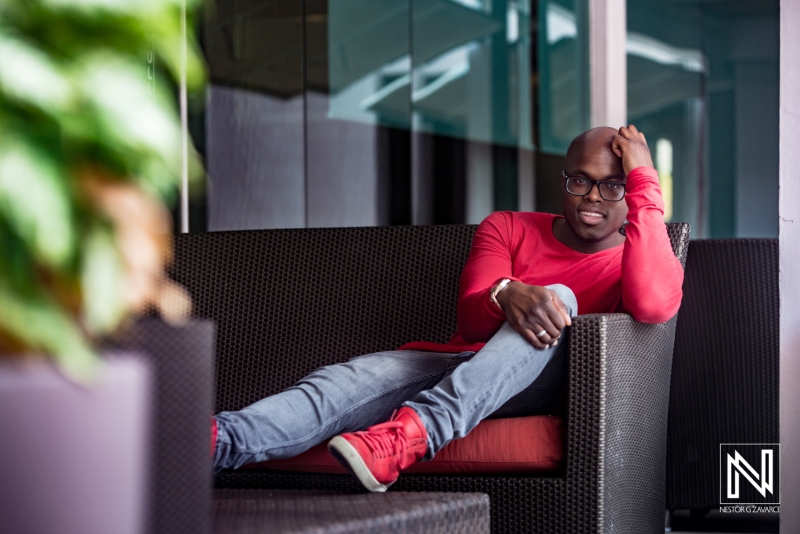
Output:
[[532, 309]]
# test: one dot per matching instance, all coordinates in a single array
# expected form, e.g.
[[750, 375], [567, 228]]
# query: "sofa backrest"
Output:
[[289, 301]]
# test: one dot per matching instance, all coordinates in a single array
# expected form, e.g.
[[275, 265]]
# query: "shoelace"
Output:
[[376, 439]]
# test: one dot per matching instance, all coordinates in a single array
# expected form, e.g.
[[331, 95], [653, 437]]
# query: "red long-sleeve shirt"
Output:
[[642, 276]]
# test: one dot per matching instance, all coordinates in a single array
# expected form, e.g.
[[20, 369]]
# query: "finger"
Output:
[[618, 145], [563, 309], [544, 340], [530, 335], [633, 129], [556, 316], [641, 136], [628, 134], [533, 323], [526, 330], [544, 318], [616, 148], [547, 339]]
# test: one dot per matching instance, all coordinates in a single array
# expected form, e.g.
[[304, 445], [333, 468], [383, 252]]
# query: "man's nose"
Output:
[[594, 193]]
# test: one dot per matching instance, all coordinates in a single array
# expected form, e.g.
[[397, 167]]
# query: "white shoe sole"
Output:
[[348, 456]]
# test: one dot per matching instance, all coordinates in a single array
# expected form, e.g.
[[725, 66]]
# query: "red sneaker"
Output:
[[376, 455], [213, 436]]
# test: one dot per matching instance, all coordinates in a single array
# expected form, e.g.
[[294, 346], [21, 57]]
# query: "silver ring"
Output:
[[542, 333]]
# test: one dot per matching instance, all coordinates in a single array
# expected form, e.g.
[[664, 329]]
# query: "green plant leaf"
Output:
[[138, 8], [75, 97], [28, 75], [42, 325], [127, 110], [35, 202], [102, 280]]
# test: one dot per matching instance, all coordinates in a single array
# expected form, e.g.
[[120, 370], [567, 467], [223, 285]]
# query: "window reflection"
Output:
[[703, 85], [373, 112], [254, 115]]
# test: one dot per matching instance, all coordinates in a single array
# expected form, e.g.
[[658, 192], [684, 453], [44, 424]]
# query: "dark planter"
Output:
[[182, 359], [73, 459]]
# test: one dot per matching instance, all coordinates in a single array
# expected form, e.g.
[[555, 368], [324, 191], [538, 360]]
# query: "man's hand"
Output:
[[531, 309], [631, 146]]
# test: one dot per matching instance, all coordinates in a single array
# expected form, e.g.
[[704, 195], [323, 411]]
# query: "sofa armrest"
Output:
[[617, 418]]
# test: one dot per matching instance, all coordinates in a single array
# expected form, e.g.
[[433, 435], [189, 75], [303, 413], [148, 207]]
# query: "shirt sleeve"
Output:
[[489, 262], [652, 276]]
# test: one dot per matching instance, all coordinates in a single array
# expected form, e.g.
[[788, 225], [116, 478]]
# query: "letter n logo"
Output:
[[749, 473], [737, 465]]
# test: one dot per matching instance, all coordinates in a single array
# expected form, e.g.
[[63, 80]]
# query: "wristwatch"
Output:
[[496, 291]]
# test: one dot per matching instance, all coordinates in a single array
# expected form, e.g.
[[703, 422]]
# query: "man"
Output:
[[525, 277]]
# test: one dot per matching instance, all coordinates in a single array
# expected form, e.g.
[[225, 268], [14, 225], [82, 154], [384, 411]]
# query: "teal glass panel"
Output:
[[703, 87], [563, 73], [357, 113], [460, 68], [369, 61], [380, 112], [666, 71], [471, 70]]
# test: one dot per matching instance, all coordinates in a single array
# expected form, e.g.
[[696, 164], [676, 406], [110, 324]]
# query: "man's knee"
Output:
[[567, 297]]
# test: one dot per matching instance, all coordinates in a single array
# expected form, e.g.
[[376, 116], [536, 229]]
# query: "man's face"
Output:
[[592, 218]]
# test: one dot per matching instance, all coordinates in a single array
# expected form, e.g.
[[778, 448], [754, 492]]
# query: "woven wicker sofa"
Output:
[[289, 301], [725, 374]]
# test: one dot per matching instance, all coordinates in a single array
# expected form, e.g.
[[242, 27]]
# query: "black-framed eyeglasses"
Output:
[[581, 186]]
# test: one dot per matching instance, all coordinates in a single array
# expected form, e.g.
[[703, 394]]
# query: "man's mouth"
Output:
[[590, 217]]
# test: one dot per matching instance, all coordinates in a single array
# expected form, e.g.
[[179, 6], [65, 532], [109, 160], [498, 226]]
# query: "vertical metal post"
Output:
[[184, 129], [789, 259], [608, 62]]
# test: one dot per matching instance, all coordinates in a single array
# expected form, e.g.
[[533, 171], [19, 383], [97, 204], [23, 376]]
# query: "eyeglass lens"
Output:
[[608, 190]]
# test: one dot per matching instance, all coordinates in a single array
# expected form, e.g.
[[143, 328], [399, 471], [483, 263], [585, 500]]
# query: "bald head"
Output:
[[591, 144], [591, 221]]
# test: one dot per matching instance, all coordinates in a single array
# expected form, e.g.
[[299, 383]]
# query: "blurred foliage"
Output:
[[81, 114]]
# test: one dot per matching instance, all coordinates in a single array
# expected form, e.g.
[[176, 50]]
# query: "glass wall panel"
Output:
[[358, 112], [369, 61], [703, 86], [563, 73], [254, 116], [471, 70], [472, 109], [378, 112], [563, 91]]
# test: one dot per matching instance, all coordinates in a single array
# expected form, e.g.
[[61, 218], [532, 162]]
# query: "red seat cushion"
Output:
[[496, 446]]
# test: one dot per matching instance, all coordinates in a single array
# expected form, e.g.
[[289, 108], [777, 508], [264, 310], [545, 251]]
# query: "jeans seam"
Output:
[[338, 417]]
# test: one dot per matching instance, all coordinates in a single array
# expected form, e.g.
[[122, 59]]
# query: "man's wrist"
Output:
[[496, 290]]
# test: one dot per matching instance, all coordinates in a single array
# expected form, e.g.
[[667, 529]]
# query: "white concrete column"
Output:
[[789, 264], [608, 62]]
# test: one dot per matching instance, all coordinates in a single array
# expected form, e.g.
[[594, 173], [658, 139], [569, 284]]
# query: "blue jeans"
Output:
[[451, 393]]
